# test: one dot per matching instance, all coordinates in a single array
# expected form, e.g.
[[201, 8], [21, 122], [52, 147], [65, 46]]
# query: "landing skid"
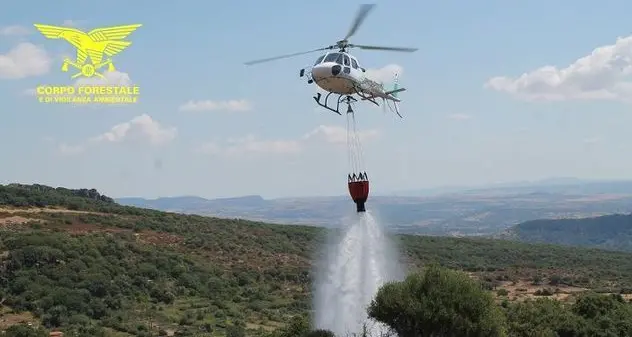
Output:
[[346, 99]]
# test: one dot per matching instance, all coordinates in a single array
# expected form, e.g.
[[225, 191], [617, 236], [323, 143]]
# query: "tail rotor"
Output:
[[395, 107]]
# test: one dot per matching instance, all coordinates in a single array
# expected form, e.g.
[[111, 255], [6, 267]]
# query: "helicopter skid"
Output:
[[341, 99]]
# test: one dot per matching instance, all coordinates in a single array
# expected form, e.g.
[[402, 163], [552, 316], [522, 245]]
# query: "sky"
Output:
[[498, 91]]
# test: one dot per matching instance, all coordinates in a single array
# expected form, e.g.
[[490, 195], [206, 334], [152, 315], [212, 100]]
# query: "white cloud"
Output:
[[385, 74], [73, 23], [599, 76], [337, 134], [14, 30], [109, 78], [252, 145], [209, 105], [23, 61], [17, 30], [141, 128], [459, 117]]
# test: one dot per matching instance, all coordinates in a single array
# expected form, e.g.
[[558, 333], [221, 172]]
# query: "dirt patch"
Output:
[[523, 290], [156, 238], [9, 318], [14, 220], [145, 237], [45, 210], [79, 228]]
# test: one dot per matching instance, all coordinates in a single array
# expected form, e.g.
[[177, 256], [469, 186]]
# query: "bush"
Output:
[[502, 292]]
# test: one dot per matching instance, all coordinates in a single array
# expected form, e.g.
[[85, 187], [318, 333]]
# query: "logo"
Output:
[[95, 50]]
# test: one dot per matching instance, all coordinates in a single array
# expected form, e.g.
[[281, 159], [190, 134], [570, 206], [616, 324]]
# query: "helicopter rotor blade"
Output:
[[286, 56], [359, 19], [409, 50]]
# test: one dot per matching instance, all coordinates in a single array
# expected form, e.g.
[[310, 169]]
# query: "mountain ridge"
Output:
[[475, 212]]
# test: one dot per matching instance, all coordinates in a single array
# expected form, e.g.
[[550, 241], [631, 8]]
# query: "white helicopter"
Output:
[[340, 72]]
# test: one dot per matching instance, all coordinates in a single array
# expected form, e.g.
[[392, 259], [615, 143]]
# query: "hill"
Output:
[[75, 259], [606, 232], [474, 212]]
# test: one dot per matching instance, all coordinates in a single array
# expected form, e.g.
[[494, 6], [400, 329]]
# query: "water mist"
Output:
[[357, 261]]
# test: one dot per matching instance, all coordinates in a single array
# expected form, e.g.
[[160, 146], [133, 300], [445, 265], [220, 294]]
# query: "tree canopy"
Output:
[[438, 302]]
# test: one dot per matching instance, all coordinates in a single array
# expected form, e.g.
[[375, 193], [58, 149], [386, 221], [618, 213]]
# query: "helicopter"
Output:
[[339, 72]]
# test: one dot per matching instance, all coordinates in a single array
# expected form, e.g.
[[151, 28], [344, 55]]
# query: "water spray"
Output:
[[358, 260]]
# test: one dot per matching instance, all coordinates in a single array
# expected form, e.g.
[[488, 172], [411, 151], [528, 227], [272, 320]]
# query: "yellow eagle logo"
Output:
[[108, 41]]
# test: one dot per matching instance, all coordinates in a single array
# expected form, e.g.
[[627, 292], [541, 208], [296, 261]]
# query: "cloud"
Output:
[[385, 74], [337, 134], [459, 117], [17, 30], [140, 129], [14, 30], [252, 145], [110, 78], [598, 76], [209, 105], [73, 23], [24, 60]]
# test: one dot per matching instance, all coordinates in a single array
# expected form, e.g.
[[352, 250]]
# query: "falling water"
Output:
[[357, 261]]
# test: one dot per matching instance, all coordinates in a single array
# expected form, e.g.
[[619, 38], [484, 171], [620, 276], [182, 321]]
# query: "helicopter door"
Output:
[[347, 64]]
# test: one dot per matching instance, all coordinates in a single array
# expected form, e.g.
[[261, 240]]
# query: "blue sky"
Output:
[[571, 120]]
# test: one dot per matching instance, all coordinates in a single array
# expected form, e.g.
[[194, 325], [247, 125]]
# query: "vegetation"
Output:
[[77, 261], [606, 232], [441, 302], [438, 302]]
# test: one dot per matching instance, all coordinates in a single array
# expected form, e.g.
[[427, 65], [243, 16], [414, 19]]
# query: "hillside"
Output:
[[606, 232], [77, 260], [472, 213]]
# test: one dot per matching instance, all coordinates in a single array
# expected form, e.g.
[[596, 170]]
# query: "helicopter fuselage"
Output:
[[338, 72]]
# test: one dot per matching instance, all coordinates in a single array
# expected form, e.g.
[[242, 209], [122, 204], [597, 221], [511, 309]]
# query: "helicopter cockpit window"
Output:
[[332, 57], [354, 64], [346, 60], [339, 59], [320, 59]]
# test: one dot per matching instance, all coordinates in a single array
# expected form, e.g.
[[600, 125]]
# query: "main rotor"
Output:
[[343, 45]]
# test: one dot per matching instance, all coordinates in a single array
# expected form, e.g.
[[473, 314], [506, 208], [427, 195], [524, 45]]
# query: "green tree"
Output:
[[235, 331], [23, 330], [544, 317], [607, 315], [438, 302], [297, 327]]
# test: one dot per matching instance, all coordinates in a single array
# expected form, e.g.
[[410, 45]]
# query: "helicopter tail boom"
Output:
[[394, 93]]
